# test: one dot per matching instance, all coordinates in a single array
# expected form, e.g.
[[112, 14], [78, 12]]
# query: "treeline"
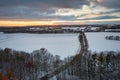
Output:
[[19, 65], [113, 38], [93, 66]]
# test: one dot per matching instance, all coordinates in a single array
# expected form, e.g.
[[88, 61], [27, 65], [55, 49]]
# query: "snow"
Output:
[[94, 28], [97, 41], [57, 44]]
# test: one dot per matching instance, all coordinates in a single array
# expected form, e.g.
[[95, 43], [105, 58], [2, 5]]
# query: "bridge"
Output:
[[83, 50]]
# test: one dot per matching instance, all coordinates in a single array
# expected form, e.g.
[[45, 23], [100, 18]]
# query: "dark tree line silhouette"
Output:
[[17, 65], [26, 66], [113, 38], [95, 66]]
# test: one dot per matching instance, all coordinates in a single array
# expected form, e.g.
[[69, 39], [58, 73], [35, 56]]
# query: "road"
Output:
[[84, 48]]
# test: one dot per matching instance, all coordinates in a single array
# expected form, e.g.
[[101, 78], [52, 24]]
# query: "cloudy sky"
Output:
[[55, 12]]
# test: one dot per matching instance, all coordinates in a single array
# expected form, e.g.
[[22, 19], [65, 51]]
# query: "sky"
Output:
[[58, 12]]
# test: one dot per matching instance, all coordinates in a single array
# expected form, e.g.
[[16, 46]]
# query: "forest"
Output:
[[18, 65]]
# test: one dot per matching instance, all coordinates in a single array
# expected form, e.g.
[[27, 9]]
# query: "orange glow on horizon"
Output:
[[25, 23], [7, 23]]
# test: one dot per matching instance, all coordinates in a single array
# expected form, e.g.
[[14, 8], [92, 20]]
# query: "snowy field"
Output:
[[60, 44], [97, 41]]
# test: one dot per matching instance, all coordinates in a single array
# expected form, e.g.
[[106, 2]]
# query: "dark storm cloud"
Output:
[[45, 3], [46, 9], [36, 8], [31, 13], [111, 4], [114, 4], [23, 12]]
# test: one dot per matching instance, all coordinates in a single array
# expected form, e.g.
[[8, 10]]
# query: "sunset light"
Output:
[[25, 23], [45, 12]]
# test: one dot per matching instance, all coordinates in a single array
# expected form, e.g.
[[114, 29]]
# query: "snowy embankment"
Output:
[[97, 41], [57, 44]]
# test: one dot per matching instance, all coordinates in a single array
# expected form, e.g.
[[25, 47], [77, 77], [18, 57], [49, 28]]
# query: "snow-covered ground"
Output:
[[60, 44], [97, 41]]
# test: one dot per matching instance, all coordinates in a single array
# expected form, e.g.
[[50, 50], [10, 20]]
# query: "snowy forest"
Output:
[[15, 65], [41, 65]]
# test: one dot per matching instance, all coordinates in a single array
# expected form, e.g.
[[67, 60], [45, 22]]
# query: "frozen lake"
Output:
[[97, 41], [57, 44]]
